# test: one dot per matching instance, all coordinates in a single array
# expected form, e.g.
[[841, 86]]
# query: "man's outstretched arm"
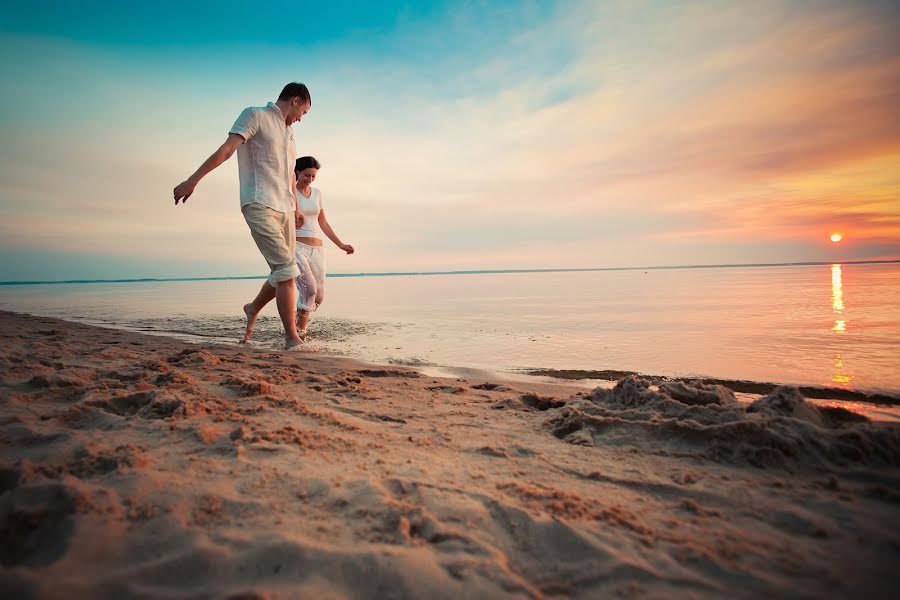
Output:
[[184, 189]]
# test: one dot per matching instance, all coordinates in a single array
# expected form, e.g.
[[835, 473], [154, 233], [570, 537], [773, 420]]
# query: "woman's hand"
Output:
[[347, 248], [298, 219]]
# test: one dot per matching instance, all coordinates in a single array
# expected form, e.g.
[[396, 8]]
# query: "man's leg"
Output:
[[265, 295], [273, 233], [286, 297]]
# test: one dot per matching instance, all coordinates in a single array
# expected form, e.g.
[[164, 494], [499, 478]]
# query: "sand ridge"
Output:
[[138, 466]]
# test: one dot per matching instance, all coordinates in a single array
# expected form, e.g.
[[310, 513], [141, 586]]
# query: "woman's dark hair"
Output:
[[306, 162], [295, 89]]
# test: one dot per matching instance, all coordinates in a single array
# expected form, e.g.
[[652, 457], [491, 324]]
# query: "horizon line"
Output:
[[465, 272]]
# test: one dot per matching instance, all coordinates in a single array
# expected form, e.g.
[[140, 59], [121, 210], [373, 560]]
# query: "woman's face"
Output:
[[306, 177]]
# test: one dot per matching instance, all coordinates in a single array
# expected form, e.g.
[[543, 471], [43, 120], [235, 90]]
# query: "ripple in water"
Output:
[[268, 331]]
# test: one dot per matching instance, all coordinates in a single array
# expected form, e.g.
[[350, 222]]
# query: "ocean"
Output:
[[819, 325]]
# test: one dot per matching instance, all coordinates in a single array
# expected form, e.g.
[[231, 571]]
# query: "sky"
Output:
[[455, 135]]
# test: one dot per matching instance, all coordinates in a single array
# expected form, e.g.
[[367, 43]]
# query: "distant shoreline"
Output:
[[465, 272]]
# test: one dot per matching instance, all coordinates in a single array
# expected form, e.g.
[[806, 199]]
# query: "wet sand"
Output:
[[136, 466]]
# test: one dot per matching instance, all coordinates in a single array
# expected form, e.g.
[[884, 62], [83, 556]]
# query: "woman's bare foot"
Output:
[[251, 322], [302, 322]]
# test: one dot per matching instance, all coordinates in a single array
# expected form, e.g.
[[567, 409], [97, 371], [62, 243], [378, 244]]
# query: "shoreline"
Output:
[[582, 378], [136, 465]]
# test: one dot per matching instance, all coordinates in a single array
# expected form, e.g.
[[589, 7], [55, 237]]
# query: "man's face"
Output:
[[297, 109]]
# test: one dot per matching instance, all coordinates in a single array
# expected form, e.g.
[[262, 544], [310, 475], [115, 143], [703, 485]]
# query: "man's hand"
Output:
[[298, 219], [347, 248], [183, 191]]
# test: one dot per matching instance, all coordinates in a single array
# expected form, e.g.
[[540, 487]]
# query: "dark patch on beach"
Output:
[[387, 373], [735, 385], [575, 374], [36, 524], [389, 419], [781, 429], [510, 403], [492, 452], [410, 362], [542, 402], [9, 478]]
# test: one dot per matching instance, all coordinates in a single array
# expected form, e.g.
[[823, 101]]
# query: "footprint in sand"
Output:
[[542, 402], [492, 387], [36, 526], [147, 405], [447, 389]]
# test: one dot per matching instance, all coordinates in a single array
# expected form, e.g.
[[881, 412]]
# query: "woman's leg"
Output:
[[306, 289], [302, 322], [315, 257], [317, 263]]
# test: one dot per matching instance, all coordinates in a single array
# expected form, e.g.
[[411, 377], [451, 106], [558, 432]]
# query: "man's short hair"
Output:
[[295, 89]]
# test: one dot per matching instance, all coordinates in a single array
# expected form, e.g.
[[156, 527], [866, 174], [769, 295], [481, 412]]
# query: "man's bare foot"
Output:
[[292, 343], [251, 322], [300, 346]]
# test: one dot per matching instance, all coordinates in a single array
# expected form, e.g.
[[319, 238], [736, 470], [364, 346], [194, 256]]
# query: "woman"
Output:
[[310, 252]]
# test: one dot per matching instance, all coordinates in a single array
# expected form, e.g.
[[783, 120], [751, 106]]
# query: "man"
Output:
[[264, 142]]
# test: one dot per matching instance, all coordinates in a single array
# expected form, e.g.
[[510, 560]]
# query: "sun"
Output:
[[836, 237]]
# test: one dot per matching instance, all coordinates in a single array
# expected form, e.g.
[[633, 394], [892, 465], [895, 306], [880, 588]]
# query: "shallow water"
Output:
[[833, 325]]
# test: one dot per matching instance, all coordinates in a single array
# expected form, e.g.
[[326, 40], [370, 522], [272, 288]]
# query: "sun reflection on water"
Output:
[[840, 376], [840, 323], [837, 289]]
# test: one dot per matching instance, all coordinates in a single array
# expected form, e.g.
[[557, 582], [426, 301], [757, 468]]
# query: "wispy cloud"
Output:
[[562, 135]]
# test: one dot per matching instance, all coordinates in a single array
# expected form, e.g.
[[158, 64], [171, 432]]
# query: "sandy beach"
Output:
[[136, 466]]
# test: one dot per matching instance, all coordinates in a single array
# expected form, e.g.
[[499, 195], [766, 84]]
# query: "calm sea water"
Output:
[[834, 325]]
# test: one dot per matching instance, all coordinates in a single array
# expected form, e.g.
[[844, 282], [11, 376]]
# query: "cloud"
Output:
[[586, 134]]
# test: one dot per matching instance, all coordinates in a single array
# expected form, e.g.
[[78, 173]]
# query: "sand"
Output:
[[134, 466]]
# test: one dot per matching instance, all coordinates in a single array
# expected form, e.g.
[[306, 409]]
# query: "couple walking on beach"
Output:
[[282, 209]]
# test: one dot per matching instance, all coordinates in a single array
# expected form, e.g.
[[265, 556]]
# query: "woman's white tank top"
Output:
[[310, 207]]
